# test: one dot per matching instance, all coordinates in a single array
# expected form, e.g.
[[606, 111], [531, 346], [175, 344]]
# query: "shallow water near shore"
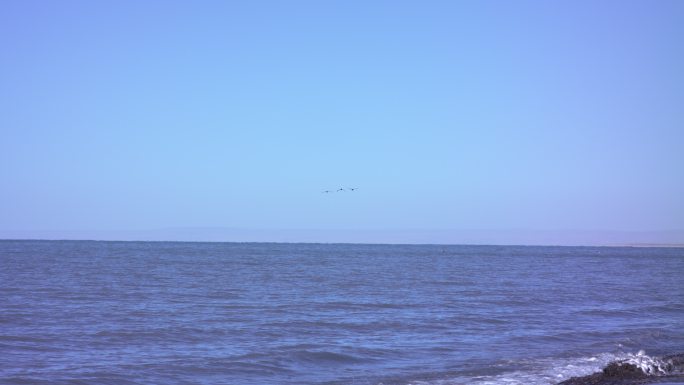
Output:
[[233, 313]]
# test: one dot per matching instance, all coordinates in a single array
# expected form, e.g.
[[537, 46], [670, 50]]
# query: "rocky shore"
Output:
[[636, 371]]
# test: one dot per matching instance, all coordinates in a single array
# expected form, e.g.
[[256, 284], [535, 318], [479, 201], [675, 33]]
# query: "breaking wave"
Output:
[[553, 371], [655, 366]]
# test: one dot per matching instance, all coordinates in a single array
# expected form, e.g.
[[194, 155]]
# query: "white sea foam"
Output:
[[651, 365]]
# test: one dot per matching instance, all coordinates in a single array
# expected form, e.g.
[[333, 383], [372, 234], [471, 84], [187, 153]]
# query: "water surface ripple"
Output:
[[81, 312]]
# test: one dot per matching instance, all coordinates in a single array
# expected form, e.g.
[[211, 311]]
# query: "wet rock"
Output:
[[615, 369], [676, 361], [603, 379]]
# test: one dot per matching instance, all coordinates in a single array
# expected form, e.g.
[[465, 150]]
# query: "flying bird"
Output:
[[340, 189]]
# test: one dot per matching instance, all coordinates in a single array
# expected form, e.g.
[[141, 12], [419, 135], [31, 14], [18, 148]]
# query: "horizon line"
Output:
[[617, 245], [510, 237]]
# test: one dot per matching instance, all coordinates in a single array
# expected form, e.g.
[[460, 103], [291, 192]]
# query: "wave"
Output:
[[566, 371], [667, 365], [636, 369]]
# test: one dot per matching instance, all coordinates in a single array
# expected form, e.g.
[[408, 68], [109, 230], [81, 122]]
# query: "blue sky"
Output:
[[500, 115]]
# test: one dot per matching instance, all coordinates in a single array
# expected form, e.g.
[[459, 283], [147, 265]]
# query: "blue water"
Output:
[[77, 312]]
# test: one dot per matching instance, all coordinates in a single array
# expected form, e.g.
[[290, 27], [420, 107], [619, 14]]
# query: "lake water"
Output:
[[80, 312]]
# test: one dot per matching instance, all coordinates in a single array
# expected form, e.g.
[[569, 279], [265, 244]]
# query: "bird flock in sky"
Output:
[[340, 190]]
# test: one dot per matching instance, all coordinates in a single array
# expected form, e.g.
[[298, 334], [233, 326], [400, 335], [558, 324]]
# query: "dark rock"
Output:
[[676, 360], [602, 379], [615, 369]]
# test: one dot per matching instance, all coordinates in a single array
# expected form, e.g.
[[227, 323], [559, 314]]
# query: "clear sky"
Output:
[[506, 115]]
